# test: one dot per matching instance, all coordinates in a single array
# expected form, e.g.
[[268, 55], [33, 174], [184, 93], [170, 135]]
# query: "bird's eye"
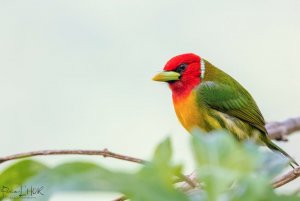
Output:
[[181, 68]]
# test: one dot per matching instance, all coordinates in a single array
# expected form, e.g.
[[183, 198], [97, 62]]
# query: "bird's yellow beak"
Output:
[[166, 76]]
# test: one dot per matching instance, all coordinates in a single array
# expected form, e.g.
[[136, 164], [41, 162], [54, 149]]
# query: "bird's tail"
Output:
[[274, 147]]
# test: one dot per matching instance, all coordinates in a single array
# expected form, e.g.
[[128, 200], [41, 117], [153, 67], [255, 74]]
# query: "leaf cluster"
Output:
[[226, 170]]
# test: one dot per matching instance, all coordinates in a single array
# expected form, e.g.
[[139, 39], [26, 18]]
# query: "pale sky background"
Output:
[[77, 74]]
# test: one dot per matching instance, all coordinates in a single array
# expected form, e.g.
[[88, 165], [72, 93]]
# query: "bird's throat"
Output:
[[182, 89]]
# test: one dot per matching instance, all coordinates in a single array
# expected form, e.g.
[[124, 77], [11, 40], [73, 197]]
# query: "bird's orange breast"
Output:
[[193, 115], [188, 112]]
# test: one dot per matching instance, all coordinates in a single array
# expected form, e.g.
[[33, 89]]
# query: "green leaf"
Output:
[[163, 152], [154, 181], [159, 174], [272, 164], [75, 176], [251, 187], [220, 149], [17, 174], [276, 197], [229, 169]]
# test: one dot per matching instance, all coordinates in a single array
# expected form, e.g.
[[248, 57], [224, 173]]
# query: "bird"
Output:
[[206, 98]]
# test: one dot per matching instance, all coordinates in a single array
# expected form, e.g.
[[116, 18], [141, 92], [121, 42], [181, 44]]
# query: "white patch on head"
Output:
[[202, 63]]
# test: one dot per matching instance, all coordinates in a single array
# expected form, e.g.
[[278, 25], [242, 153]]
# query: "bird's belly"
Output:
[[239, 129]]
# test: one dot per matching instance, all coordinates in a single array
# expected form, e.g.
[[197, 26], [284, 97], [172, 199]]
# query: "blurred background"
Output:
[[77, 74]]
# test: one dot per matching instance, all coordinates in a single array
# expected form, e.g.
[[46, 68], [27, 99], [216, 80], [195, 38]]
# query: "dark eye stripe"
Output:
[[181, 68]]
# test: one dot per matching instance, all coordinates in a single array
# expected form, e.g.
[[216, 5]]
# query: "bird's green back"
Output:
[[220, 92]]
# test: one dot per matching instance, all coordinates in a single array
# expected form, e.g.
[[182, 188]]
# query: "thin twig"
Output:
[[185, 187], [290, 176], [104, 153], [280, 130], [122, 198], [188, 180]]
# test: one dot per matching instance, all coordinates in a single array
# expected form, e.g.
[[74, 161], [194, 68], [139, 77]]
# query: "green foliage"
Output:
[[227, 170], [17, 174], [234, 171]]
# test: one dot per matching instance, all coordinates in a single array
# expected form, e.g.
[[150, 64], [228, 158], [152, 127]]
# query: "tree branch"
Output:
[[280, 130], [290, 176], [276, 130], [104, 153]]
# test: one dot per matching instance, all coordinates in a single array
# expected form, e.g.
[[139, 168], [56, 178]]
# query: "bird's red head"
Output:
[[182, 73]]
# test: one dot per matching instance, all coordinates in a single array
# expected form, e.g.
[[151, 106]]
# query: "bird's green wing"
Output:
[[231, 99]]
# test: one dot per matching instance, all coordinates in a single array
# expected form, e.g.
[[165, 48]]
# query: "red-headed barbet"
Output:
[[207, 98]]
